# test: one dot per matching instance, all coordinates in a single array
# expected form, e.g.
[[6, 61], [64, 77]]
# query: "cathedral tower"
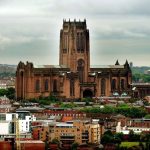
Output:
[[74, 47]]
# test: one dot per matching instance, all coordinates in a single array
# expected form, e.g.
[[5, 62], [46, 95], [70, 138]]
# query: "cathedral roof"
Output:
[[50, 66], [107, 66]]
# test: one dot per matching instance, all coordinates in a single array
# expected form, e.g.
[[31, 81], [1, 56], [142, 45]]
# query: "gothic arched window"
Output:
[[71, 87], [46, 85], [77, 42], [80, 42], [55, 85], [21, 83], [80, 69], [103, 86], [113, 84], [122, 84], [37, 85]]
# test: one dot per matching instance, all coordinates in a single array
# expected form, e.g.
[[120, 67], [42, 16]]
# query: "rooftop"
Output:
[[107, 66], [64, 125], [50, 66], [32, 141]]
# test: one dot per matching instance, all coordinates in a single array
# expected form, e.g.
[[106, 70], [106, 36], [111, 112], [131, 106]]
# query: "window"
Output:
[[55, 85], [113, 84], [65, 43], [37, 85], [122, 84], [103, 86], [46, 85], [80, 69], [71, 87], [77, 42], [80, 42]]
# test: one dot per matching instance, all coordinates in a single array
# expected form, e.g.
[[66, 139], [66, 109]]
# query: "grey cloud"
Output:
[[30, 29], [74, 7], [121, 33], [121, 27]]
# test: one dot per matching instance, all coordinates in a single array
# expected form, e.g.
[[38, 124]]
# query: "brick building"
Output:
[[74, 77], [140, 89], [80, 131]]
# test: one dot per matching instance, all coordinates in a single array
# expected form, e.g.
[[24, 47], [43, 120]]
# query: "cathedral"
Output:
[[74, 77]]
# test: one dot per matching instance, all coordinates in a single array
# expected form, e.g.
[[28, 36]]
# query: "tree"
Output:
[[108, 132], [3, 92], [141, 145], [119, 135], [55, 141], [108, 110], [74, 146], [10, 93], [147, 116], [147, 145], [117, 140], [71, 105], [131, 135], [106, 139]]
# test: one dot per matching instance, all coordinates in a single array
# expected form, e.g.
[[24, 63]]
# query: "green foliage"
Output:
[[108, 110], [108, 132], [50, 98], [109, 137], [119, 135], [123, 105], [141, 145], [147, 116], [143, 77], [139, 70], [3, 92], [138, 74], [70, 105], [45, 100], [133, 137], [132, 112], [106, 139], [137, 112], [55, 141], [10, 93], [74, 146], [145, 137], [117, 140], [7, 74], [125, 110], [133, 100], [129, 144], [147, 145]]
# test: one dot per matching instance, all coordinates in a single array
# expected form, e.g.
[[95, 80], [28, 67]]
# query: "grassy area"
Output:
[[129, 144]]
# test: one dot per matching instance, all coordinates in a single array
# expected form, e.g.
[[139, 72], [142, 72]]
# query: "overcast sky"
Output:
[[119, 29]]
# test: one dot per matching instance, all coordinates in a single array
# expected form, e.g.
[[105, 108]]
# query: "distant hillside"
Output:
[[139, 70], [7, 70], [138, 74]]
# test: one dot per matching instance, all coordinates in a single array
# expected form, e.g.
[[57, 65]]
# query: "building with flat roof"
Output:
[[80, 131]]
